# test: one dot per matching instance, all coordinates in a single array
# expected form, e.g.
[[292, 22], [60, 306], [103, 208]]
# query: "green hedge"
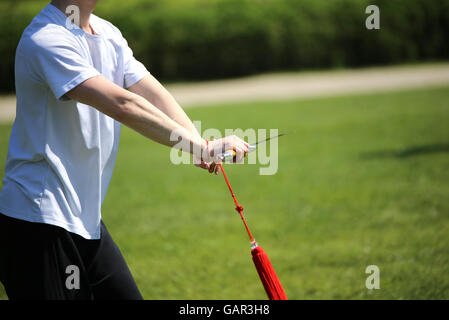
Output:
[[204, 39]]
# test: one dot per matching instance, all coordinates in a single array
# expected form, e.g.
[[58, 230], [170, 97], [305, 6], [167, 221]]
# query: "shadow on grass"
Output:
[[407, 152]]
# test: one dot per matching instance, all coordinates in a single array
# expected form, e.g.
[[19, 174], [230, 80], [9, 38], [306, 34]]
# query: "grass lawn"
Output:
[[362, 180]]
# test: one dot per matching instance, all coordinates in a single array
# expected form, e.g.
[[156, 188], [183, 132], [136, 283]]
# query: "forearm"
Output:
[[135, 112], [167, 104], [153, 91], [140, 115]]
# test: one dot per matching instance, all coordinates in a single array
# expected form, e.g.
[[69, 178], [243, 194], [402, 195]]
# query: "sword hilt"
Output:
[[231, 153]]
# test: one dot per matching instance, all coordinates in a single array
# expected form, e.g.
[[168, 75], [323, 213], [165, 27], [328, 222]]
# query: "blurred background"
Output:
[[207, 39], [362, 179]]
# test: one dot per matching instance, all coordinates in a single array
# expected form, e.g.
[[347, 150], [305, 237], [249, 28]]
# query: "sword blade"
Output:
[[268, 139]]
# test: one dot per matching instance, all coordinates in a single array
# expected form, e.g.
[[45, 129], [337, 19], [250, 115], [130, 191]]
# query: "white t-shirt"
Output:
[[62, 153]]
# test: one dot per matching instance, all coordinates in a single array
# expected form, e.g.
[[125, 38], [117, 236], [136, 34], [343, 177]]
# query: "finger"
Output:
[[242, 142], [239, 155], [217, 170], [234, 143], [245, 149], [212, 167], [200, 163], [246, 144], [204, 165], [218, 147], [243, 145]]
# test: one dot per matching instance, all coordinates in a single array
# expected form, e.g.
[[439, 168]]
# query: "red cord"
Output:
[[238, 207]]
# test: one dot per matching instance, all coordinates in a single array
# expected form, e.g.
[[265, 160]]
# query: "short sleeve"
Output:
[[58, 62], [134, 70]]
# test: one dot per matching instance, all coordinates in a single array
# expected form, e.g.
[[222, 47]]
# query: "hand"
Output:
[[215, 147], [202, 164]]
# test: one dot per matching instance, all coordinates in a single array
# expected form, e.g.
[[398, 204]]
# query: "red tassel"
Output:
[[267, 275]]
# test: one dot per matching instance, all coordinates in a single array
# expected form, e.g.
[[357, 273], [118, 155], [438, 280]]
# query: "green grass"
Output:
[[362, 180]]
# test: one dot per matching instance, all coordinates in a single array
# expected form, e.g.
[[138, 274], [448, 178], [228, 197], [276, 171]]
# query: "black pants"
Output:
[[42, 261]]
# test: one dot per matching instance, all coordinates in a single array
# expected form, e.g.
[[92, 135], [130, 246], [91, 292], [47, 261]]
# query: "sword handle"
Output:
[[232, 153]]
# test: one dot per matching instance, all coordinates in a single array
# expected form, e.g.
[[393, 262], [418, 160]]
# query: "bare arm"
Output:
[[133, 111], [139, 114], [152, 90]]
